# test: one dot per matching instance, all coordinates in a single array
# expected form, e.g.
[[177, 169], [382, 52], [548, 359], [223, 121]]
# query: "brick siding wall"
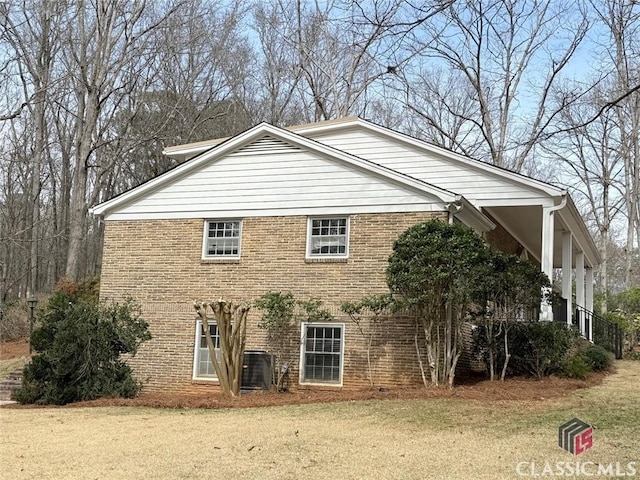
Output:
[[159, 264], [501, 239]]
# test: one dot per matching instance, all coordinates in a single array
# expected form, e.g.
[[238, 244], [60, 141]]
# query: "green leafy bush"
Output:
[[576, 366], [597, 358], [281, 324], [79, 344], [436, 270], [536, 348]]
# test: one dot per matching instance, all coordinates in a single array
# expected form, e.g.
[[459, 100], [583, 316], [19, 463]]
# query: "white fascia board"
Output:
[[543, 201], [174, 173], [420, 144], [255, 133], [191, 149], [362, 164], [280, 212]]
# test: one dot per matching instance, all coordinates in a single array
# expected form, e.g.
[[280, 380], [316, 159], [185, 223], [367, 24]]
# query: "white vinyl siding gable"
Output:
[[270, 177], [474, 183]]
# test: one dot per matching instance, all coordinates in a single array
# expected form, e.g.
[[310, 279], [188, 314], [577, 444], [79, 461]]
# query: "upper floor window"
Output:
[[222, 239], [328, 237]]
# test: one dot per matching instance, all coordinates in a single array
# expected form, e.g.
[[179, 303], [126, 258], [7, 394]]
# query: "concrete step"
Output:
[[12, 383]]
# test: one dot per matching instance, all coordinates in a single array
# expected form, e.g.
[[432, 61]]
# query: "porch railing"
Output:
[[605, 333]]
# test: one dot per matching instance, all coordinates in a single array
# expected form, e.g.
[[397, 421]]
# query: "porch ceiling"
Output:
[[525, 224]]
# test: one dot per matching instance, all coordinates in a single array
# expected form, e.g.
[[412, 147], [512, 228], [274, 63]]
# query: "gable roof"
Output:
[[468, 162], [311, 129], [257, 134]]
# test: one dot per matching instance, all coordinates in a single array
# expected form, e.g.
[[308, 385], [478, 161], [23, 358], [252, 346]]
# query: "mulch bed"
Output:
[[515, 389]]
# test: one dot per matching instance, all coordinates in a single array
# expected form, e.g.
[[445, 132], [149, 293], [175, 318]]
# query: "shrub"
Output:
[[281, 325], [597, 358], [576, 366], [79, 344], [536, 348]]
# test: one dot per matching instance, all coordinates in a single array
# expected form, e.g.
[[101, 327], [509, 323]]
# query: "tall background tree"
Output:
[[92, 92]]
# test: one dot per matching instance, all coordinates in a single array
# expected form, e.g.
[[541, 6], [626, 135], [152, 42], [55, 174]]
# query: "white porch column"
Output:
[[589, 298], [567, 264], [546, 255], [580, 287]]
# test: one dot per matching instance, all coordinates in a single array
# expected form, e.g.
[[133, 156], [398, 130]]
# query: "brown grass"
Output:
[[402, 438]]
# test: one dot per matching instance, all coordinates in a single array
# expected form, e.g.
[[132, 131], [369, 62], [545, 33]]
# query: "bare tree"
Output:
[[29, 30], [509, 54], [339, 59], [192, 94], [590, 154], [622, 20], [102, 42]]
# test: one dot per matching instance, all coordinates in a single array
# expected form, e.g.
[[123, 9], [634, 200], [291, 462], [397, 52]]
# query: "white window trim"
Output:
[[196, 345], [303, 334], [205, 231], [309, 256]]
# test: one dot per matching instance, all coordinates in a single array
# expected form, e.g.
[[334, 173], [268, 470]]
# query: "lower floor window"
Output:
[[322, 352], [203, 366]]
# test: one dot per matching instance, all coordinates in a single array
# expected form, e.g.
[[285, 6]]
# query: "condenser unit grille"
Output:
[[257, 370]]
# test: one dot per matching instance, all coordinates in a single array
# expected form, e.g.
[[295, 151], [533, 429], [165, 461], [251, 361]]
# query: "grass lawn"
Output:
[[403, 439]]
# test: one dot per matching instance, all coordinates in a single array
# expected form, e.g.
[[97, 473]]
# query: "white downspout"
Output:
[[453, 209], [546, 255]]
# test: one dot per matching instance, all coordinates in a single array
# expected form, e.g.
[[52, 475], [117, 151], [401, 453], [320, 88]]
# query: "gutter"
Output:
[[563, 203], [468, 214]]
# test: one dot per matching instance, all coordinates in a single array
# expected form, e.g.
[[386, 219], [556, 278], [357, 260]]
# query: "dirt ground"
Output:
[[19, 348], [521, 389]]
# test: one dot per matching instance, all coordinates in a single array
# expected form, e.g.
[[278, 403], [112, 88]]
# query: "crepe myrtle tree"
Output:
[[231, 320], [434, 271]]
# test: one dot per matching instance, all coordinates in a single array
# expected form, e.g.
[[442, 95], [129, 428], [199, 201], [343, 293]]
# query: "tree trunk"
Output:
[[419, 355]]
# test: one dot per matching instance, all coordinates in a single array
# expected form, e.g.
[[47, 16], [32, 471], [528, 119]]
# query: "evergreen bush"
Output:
[[597, 358], [79, 345], [537, 348], [576, 366]]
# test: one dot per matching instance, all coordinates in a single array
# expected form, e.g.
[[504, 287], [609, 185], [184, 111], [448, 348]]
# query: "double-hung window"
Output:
[[222, 239], [328, 237], [321, 355], [202, 364]]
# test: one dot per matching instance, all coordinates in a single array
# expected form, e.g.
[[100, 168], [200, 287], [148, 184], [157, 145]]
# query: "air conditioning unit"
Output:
[[257, 370]]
